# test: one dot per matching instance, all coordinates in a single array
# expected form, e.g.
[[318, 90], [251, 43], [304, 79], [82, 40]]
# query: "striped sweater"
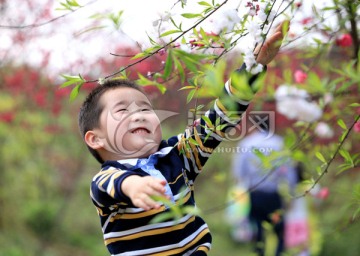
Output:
[[127, 229]]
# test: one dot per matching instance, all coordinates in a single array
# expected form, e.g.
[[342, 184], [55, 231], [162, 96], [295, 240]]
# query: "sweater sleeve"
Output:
[[199, 142], [106, 187]]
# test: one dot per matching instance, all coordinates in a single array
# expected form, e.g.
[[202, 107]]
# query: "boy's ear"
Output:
[[92, 140]]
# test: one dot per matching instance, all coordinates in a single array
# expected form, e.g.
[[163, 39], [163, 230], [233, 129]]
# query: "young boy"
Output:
[[123, 133]]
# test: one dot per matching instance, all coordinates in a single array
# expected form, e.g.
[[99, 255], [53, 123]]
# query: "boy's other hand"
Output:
[[267, 51], [140, 189]]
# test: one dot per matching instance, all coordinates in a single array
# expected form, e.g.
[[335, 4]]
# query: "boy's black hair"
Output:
[[91, 108]]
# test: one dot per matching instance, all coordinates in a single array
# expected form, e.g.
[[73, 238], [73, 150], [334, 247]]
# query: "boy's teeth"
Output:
[[140, 130]]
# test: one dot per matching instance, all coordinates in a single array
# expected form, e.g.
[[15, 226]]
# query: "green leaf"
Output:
[[315, 82], [193, 141], [346, 155], [75, 91], [318, 169], [320, 157], [187, 87], [355, 105], [70, 80], [191, 15], [139, 55], [180, 70], [168, 65], [162, 217], [190, 95], [199, 107], [204, 3], [342, 168], [170, 32], [143, 81], [240, 82], [206, 119], [190, 210], [68, 83], [341, 123]]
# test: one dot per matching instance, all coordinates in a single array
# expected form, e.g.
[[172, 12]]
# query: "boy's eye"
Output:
[[121, 110], [146, 109]]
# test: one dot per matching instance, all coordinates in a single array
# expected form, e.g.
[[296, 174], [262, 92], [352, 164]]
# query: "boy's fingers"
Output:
[[146, 203], [158, 186], [282, 25]]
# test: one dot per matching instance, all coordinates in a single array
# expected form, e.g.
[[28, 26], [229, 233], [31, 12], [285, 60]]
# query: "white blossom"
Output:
[[285, 91], [295, 103], [262, 15], [323, 130], [249, 58], [256, 69], [250, 62], [254, 30], [225, 21]]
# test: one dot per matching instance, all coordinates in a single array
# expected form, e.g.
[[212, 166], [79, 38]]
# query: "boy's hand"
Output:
[[140, 189], [267, 51]]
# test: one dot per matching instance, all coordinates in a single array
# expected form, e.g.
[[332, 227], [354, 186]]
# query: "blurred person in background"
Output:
[[261, 166]]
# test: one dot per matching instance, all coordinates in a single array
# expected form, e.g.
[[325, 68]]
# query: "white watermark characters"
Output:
[[236, 150]]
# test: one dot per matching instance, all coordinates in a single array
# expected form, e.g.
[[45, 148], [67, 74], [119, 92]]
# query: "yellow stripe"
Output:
[[201, 145], [203, 248], [112, 192], [104, 176], [182, 146], [103, 179], [231, 88], [221, 106], [179, 250], [101, 173], [196, 156], [178, 177], [129, 216], [100, 211], [157, 231]]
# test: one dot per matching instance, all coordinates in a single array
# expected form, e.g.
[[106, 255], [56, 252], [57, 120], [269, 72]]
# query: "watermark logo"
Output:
[[261, 121]]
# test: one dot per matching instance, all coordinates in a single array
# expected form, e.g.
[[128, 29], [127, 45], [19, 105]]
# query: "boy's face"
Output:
[[129, 127]]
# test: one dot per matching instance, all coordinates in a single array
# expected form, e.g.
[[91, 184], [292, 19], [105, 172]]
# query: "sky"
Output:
[[64, 38]]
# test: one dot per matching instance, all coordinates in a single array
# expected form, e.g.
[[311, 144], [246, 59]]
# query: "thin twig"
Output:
[[331, 159]]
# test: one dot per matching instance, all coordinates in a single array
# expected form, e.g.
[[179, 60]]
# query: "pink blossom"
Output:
[[323, 193], [344, 40], [162, 51], [306, 21], [300, 76], [357, 127], [195, 43]]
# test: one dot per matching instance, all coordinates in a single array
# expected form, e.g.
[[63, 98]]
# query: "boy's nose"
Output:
[[138, 116]]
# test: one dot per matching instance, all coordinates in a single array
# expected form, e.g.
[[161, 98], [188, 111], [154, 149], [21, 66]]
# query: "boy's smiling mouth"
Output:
[[140, 130]]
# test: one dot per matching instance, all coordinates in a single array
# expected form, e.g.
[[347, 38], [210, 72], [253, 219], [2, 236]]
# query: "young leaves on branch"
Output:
[[77, 81]]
